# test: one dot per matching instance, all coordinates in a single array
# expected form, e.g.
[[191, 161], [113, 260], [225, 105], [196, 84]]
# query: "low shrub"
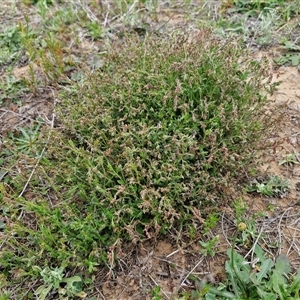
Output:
[[150, 141]]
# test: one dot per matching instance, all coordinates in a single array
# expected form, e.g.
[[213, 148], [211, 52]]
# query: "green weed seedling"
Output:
[[46, 50], [10, 44], [259, 279], [53, 278], [43, 7], [291, 57], [208, 248], [247, 232], [246, 226], [156, 293], [28, 141], [240, 208], [10, 48], [95, 30], [211, 222], [289, 160], [11, 88], [272, 186]]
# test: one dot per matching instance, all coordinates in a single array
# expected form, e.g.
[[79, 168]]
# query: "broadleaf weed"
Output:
[[261, 279]]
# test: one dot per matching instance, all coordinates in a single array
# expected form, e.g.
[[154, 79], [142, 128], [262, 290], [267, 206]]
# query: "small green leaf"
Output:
[[277, 282], [295, 59], [43, 291], [259, 253], [81, 294], [77, 76], [238, 271], [71, 280], [265, 267], [295, 287], [217, 292], [291, 46], [282, 264], [2, 225], [281, 60], [265, 295]]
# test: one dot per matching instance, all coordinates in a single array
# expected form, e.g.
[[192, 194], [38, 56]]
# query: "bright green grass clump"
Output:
[[146, 143]]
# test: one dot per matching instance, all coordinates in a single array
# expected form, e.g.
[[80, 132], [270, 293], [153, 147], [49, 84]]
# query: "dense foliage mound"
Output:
[[148, 142], [155, 136]]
